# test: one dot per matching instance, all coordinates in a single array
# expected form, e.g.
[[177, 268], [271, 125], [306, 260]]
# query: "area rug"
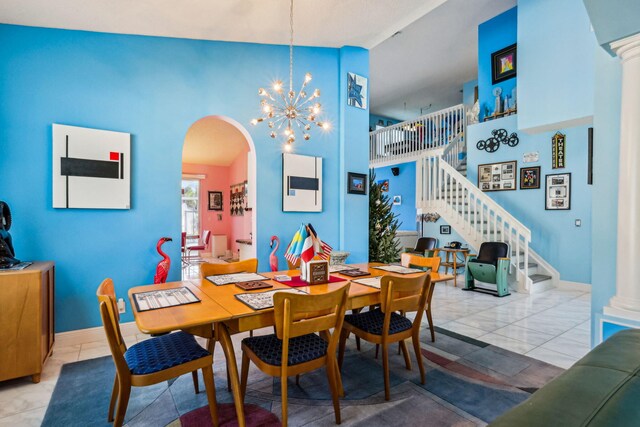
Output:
[[468, 383]]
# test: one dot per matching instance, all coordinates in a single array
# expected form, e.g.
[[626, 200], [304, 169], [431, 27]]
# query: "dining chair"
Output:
[[295, 348], [151, 361], [422, 262], [384, 326], [206, 235], [183, 248], [245, 266], [426, 246]]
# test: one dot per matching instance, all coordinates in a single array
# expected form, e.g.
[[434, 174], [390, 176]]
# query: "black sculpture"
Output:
[[7, 254], [492, 144]]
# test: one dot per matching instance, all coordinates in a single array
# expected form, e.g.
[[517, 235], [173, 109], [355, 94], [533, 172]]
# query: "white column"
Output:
[[626, 302]]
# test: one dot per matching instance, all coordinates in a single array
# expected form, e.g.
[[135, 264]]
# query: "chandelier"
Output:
[[288, 111]]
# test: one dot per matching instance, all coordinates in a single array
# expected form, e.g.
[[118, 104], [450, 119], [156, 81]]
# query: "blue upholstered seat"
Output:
[[301, 349], [371, 322], [164, 352]]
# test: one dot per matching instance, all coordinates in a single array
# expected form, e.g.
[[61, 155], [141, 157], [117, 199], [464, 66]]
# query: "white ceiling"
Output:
[[333, 23], [211, 141], [430, 60]]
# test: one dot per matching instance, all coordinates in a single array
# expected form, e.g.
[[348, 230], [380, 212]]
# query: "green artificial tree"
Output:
[[383, 224]]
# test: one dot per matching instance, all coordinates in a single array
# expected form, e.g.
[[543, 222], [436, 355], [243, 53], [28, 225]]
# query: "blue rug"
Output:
[[468, 382]]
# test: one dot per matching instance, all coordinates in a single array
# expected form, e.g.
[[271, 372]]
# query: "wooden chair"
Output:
[[417, 261], [295, 348], [152, 361], [247, 266], [384, 326]]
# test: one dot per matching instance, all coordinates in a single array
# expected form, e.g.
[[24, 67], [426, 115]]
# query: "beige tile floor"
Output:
[[552, 326]]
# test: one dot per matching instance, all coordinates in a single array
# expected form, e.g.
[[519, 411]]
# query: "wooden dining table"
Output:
[[220, 314]]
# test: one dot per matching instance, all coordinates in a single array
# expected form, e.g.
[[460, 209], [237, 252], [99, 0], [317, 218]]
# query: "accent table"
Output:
[[454, 264]]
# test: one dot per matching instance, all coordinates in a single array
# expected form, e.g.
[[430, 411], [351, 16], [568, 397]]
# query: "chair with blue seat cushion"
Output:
[[151, 361], [490, 266], [384, 325], [295, 348]]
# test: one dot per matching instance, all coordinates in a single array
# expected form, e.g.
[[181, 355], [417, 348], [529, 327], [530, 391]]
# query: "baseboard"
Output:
[[575, 286], [83, 336]]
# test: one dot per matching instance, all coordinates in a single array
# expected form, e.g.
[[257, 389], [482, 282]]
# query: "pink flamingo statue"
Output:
[[273, 259], [162, 270]]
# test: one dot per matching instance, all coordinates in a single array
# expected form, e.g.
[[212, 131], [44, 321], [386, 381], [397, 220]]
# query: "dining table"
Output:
[[219, 313]]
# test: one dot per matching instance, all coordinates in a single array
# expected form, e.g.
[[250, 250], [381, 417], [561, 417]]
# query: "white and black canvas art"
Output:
[[91, 168], [301, 183]]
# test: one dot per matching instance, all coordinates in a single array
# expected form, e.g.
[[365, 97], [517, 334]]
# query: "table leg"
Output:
[[446, 268], [227, 347], [455, 270]]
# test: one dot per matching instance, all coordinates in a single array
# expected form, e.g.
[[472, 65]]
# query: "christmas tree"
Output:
[[383, 224]]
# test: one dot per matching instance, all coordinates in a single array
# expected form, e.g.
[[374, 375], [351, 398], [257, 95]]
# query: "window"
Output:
[[191, 206]]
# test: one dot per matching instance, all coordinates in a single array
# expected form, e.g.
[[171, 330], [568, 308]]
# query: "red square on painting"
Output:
[[114, 156]]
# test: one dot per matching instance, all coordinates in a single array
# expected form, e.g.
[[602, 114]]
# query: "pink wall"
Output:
[[240, 225], [221, 178], [217, 179]]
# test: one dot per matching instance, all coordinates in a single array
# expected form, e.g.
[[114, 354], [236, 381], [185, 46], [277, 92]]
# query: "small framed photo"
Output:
[[445, 229], [530, 178], [397, 200], [215, 200], [384, 185], [504, 64], [356, 183], [357, 89], [558, 192]]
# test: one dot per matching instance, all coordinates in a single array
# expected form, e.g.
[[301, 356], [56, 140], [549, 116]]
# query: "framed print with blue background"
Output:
[[357, 91]]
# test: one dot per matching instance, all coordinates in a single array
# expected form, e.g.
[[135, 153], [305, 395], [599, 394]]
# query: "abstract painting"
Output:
[[504, 64], [357, 91], [91, 168], [301, 183]]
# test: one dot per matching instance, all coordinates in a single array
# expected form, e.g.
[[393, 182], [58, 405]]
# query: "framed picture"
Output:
[[558, 192], [215, 200], [389, 123], [301, 183], [384, 185], [558, 151], [504, 64], [498, 176], [397, 200], [445, 229], [530, 178], [357, 91], [356, 183]]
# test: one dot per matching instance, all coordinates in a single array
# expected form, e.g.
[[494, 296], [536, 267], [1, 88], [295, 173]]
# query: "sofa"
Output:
[[601, 389]]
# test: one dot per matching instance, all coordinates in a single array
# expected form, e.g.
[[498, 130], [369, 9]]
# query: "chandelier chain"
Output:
[[291, 46]]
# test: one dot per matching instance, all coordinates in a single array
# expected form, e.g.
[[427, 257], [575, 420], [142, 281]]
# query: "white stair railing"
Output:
[[474, 215], [455, 152], [407, 140]]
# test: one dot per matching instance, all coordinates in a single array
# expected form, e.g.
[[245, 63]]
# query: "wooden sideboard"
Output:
[[26, 320]]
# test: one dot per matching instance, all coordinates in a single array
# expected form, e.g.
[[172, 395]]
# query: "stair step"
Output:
[[531, 265], [535, 278]]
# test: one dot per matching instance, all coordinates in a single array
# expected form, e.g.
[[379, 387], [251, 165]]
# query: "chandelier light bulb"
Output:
[[326, 125], [262, 92], [287, 132], [287, 146], [307, 136], [272, 134], [266, 108], [254, 121], [307, 77], [277, 86], [271, 125], [307, 127]]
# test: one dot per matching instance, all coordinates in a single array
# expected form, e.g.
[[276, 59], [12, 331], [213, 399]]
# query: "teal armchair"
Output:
[[491, 265]]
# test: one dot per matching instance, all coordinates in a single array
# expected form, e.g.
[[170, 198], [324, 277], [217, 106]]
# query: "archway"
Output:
[[218, 192]]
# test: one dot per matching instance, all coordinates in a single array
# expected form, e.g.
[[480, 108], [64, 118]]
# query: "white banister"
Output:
[[406, 141]]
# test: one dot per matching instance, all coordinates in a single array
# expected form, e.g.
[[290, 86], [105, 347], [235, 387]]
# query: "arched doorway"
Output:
[[218, 193]]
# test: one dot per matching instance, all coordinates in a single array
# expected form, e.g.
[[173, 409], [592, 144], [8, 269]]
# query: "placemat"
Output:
[[163, 298], [297, 282], [227, 279], [262, 300]]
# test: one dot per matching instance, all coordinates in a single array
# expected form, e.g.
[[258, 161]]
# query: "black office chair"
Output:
[[426, 246]]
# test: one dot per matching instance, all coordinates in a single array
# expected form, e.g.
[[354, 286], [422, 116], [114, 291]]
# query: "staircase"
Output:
[[442, 187]]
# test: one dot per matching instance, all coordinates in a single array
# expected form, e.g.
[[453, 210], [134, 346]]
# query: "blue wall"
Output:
[[553, 233], [493, 35], [555, 64], [468, 93], [403, 185], [613, 19], [373, 121], [155, 89], [604, 209]]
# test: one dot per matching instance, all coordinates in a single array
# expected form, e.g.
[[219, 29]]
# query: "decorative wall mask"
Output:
[[491, 145]]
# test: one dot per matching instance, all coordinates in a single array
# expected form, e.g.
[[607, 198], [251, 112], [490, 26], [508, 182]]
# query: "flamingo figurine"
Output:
[[162, 270], [273, 259]]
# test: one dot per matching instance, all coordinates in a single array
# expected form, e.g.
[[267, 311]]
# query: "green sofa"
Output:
[[601, 389]]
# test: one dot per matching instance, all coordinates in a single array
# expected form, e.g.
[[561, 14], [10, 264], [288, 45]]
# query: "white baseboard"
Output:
[[574, 286], [83, 336]]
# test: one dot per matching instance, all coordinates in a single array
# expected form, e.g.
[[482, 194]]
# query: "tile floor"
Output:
[[553, 326]]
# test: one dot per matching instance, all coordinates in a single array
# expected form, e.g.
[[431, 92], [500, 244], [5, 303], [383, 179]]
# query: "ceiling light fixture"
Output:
[[289, 110]]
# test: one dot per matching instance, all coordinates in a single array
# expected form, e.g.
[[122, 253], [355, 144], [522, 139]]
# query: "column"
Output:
[[626, 302]]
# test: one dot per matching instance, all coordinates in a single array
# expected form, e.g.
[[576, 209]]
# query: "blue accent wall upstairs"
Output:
[[155, 89], [403, 185]]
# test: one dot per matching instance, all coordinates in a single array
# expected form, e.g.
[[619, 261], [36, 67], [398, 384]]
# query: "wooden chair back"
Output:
[[301, 314], [406, 295], [106, 293], [248, 265], [433, 263]]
